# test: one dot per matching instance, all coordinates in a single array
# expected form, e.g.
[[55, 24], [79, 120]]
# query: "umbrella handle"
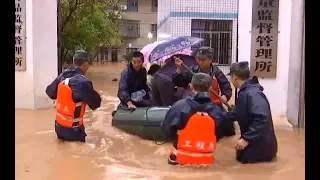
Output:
[[212, 91]]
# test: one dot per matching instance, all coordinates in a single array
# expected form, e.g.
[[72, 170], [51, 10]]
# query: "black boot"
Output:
[[172, 160]]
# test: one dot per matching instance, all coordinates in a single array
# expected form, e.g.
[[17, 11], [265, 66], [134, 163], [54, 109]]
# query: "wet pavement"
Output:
[[111, 154]]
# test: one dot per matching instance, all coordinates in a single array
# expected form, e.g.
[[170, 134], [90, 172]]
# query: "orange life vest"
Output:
[[216, 88], [197, 141], [68, 113]]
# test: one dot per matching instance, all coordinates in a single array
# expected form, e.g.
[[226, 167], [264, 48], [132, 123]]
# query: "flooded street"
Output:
[[110, 154]]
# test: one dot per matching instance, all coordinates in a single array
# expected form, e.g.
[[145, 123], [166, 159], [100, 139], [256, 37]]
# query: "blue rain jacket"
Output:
[[252, 111], [184, 78], [180, 112], [82, 91], [132, 81]]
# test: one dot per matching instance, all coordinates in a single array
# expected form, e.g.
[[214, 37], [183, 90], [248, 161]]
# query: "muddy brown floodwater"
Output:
[[111, 154]]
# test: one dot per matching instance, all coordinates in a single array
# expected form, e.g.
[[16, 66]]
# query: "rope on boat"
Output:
[[154, 138]]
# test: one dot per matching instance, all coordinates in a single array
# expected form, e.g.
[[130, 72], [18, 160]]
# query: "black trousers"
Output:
[[70, 134], [163, 92]]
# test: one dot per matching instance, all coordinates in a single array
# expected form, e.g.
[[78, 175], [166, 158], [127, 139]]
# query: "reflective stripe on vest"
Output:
[[66, 118], [196, 141], [70, 119], [175, 151], [184, 157]]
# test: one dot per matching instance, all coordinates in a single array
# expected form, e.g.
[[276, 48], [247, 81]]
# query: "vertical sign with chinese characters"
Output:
[[264, 38], [20, 29]]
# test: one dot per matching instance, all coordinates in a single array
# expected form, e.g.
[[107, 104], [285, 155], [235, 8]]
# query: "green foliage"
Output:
[[87, 24], [127, 57]]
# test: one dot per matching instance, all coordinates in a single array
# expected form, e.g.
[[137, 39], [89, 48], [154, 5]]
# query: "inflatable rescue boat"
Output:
[[144, 122]]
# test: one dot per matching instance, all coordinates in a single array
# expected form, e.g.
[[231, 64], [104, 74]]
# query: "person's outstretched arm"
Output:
[[231, 115], [181, 79], [176, 118], [87, 94], [123, 93]]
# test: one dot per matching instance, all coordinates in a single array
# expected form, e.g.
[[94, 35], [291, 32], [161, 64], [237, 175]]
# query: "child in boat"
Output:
[[151, 72]]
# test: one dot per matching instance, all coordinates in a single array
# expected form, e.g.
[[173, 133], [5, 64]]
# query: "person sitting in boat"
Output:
[[220, 83], [163, 89], [133, 90], [258, 142], [151, 72], [194, 124]]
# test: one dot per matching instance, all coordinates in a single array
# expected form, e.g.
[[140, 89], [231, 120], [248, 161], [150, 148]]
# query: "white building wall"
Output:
[[209, 6], [162, 21], [41, 55], [275, 89], [296, 54], [183, 11]]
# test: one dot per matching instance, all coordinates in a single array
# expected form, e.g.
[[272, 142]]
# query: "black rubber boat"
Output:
[[144, 122]]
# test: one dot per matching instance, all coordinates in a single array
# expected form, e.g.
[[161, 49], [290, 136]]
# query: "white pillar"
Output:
[[41, 55], [296, 52]]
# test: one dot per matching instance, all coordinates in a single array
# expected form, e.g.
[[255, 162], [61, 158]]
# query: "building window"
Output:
[[154, 29], [104, 53], [132, 5], [130, 27], [130, 50], [154, 6], [217, 34]]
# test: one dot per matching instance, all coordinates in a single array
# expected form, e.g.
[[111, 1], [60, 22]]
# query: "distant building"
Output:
[[138, 27], [213, 20]]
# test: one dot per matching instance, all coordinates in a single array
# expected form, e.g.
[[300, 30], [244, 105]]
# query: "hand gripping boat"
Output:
[[144, 122]]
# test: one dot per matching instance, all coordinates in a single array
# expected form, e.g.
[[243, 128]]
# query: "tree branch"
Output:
[[72, 9]]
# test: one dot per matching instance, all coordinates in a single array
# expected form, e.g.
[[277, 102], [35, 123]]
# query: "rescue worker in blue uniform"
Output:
[[179, 114], [72, 92], [133, 90], [258, 142], [220, 83]]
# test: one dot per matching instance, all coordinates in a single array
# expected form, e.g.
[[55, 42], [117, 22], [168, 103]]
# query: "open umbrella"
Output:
[[146, 50], [170, 67], [172, 46]]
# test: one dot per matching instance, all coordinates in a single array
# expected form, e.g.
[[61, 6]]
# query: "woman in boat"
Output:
[[163, 89], [151, 72]]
